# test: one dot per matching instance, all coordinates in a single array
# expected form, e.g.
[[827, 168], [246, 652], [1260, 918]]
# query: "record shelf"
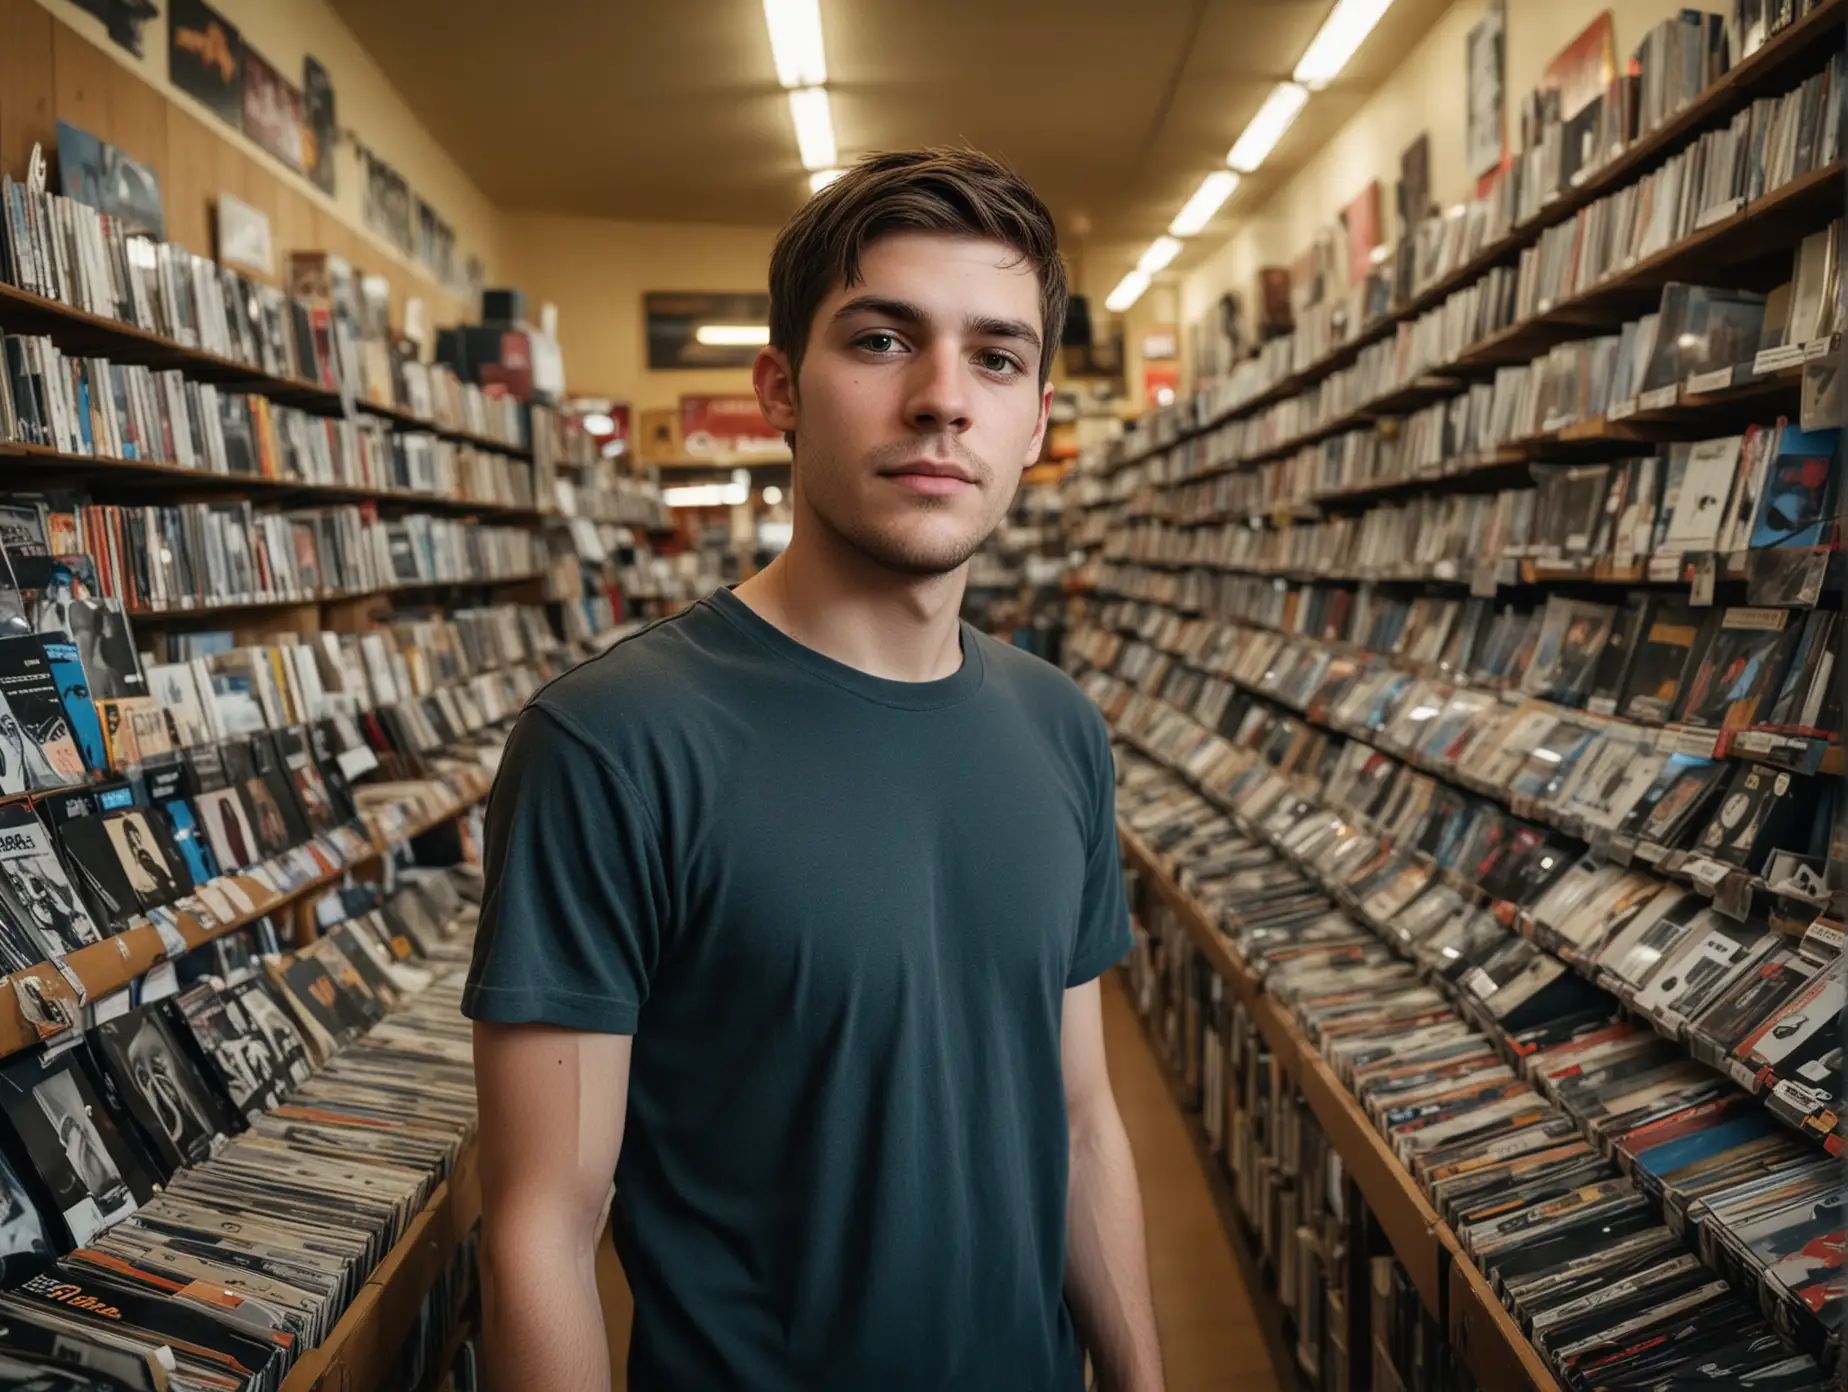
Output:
[[1348, 567], [1451, 1288]]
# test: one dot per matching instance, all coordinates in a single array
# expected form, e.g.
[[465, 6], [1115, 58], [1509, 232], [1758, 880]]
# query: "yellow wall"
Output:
[[284, 31], [1427, 92], [596, 271]]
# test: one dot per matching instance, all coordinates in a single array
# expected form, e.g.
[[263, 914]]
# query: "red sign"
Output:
[[726, 425]]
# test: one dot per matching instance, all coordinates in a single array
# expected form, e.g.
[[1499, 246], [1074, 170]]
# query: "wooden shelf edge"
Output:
[[157, 616]]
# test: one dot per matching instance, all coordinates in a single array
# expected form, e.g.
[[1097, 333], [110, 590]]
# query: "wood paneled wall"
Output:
[[50, 72]]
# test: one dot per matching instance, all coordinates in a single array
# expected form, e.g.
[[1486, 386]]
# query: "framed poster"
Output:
[[272, 110], [1581, 70], [1483, 121], [387, 207], [697, 328], [205, 59], [320, 131]]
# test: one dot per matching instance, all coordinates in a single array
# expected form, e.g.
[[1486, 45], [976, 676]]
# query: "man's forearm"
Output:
[[1106, 1264], [542, 1318]]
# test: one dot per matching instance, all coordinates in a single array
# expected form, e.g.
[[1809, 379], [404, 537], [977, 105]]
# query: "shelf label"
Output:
[[1717, 380], [112, 1006], [1777, 359], [1705, 872], [1621, 410], [1664, 568], [1696, 744], [160, 982], [1818, 348], [1660, 398]]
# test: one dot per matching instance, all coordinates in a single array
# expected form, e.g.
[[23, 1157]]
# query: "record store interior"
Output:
[[1411, 607]]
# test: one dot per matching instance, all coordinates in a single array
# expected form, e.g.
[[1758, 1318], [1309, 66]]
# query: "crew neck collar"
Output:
[[961, 684]]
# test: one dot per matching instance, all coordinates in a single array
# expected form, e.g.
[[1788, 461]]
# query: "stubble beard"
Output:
[[890, 548]]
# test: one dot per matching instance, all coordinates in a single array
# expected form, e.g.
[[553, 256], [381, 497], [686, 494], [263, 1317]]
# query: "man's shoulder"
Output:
[[1051, 699], [641, 680]]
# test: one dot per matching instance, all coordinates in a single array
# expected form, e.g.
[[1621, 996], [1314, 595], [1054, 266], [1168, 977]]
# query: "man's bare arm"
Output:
[[1106, 1260], [552, 1104]]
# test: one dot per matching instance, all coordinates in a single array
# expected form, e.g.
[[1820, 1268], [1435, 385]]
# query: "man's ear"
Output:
[[1039, 431], [774, 381]]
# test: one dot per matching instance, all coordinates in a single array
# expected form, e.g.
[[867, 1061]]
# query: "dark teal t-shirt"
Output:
[[839, 915]]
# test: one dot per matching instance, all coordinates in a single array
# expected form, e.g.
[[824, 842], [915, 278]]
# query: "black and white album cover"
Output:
[[227, 827], [31, 694], [245, 1066], [24, 1247], [34, 891], [279, 1034], [72, 1141], [143, 860], [164, 1092]]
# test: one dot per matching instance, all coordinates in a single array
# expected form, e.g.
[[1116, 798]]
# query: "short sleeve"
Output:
[[575, 890], [1104, 936]]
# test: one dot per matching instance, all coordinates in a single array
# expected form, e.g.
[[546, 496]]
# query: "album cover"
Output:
[[74, 692], [1752, 998], [80, 1156], [190, 839], [1704, 965], [1612, 668], [34, 891], [164, 1091], [241, 1057], [272, 831], [272, 768], [1751, 819], [1705, 471], [1662, 661], [1809, 698], [106, 648], [144, 864], [227, 825], [205, 58], [1742, 665], [25, 1249], [1686, 790], [30, 692], [1573, 635], [278, 1032], [96, 872], [174, 685], [1801, 488]]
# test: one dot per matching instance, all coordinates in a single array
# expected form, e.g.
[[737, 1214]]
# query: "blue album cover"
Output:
[[193, 847], [79, 708], [1797, 508]]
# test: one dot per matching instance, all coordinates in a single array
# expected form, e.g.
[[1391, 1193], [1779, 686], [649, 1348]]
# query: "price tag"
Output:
[[1696, 744], [1818, 348], [1621, 410], [1822, 941], [1706, 575], [1717, 380], [1664, 569], [1480, 983], [1745, 1076], [1661, 398], [1705, 872], [112, 1006], [159, 983], [1777, 359]]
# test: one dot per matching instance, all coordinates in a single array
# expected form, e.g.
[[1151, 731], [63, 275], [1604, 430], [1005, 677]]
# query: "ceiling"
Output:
[[670, 109]]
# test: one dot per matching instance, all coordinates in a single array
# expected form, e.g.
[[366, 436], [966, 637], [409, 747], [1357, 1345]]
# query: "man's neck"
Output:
[[830, 598]]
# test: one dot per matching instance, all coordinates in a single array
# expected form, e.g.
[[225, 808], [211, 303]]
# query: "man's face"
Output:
[[919, 403]]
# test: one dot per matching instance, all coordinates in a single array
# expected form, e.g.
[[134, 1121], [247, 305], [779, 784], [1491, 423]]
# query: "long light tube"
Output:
[[1214, 190], [795, 42], [1161, 252], [821, 178], [809, 109], [1343, 32], [1129, 290], [1267, 127]]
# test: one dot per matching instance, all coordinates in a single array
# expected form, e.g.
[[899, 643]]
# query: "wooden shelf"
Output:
[[155, 617], [94, 334], [171, 480], [1421, 1241], [1774, 67], [107, 966]]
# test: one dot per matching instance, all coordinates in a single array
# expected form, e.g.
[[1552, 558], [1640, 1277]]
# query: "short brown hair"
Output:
[[934, 190]]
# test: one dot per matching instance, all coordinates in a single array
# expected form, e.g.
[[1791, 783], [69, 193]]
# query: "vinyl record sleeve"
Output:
[[78, 1154], [35, 893], [171, 1102]]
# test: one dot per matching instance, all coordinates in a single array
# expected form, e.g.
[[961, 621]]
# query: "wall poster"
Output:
[[1482, 139]]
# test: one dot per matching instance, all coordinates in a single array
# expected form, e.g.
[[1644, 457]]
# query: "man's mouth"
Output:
[[933, 478]]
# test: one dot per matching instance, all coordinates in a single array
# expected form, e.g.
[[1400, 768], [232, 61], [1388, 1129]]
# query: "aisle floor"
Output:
[[1210, 1336]]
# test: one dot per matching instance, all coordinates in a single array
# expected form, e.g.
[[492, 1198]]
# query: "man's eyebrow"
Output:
[[1003, 328], [902, 310]]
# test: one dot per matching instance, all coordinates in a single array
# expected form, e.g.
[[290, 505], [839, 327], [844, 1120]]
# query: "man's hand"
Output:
[[552, 1103], [1106, 1261]]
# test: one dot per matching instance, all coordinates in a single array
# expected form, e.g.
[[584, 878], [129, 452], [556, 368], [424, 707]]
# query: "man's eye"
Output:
[[998, 362], [877, 342]]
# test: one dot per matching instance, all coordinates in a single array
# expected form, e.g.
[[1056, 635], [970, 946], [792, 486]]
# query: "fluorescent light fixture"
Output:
[[821, 178], [694, 495], [1214, 190], [795, 42], [598, 423], [732, 335], [808, 108], [1345, 29], [1267, 127], [1129, 290], [773, 495], [1161, 251]]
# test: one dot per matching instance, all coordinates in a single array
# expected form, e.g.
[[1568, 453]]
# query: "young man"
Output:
[[797, 901]]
